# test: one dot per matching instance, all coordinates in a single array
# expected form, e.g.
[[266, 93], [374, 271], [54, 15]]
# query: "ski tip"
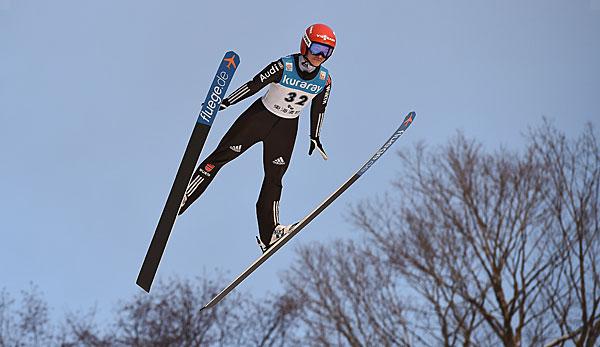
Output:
[[232, 57], [411, 114], [231, 60], [409, 119]]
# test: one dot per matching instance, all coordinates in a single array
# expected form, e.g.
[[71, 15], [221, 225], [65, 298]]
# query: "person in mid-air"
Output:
[[294, 82]]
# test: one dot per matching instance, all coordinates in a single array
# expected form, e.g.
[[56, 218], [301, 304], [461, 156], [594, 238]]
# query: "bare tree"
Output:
[[573, 176], [473, 235], [81, 330], [27, 324], [346, 297], [6, 321], [34, 323], [269, 321], [445, 319], [171, 316]]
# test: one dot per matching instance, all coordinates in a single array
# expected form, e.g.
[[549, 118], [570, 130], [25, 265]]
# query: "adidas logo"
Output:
[[279, 161], [237, 148]]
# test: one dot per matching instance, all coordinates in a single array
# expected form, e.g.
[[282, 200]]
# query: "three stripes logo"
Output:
[[237, 148], [238, 94], [279, 161], [194, 184]]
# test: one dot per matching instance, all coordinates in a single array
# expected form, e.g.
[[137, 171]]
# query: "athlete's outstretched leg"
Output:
[[245, 132], [277, 153]]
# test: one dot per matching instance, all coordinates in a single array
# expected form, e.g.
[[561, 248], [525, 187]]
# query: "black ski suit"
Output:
[[256, 124]]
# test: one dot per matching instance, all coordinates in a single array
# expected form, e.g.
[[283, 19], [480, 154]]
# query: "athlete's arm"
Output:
[[272, 73], [317, 114]]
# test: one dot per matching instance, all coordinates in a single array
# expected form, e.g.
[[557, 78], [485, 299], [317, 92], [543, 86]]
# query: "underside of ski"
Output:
[[209, 110], [304, 222]]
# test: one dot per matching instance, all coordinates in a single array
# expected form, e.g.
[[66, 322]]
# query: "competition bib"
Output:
[[288, 97]]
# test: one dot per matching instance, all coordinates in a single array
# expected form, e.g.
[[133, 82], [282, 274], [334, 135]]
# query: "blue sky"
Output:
[[98, 99]]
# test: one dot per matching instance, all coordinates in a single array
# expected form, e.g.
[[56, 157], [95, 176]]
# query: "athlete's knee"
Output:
[[216, 161], [274, 177], [266, 201], [271, 187]]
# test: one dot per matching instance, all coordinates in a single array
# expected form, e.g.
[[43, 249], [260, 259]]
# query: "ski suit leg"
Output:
[[245, 132], [277, 153]]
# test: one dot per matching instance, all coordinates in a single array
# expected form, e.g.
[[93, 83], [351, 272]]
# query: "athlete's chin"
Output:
[[317, 62]]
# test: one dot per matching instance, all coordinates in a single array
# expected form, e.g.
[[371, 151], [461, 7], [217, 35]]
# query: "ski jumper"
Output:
[[272, 120]]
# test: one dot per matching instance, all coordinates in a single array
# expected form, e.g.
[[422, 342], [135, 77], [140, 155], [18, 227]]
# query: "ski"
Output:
[[207, 115], [304, 222]]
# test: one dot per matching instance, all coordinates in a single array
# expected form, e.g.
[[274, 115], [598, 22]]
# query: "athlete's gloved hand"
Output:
[[224, 104], [316, 143]]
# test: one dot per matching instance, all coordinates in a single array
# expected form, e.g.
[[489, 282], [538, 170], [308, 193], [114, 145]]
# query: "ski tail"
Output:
[[318, 210], [207, 115]]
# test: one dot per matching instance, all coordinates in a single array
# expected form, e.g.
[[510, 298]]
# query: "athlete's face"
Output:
[[315, 60]]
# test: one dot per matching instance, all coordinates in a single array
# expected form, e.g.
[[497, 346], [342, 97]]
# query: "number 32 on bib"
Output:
[[288, 97]]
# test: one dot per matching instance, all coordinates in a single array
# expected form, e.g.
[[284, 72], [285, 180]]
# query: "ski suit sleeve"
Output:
[[272, 73], [317, 110]]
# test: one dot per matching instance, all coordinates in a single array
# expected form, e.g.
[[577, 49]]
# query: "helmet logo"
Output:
[[325, 37]]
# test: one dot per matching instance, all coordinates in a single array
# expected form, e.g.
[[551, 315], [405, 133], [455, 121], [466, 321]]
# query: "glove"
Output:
[[224, 104], [315, 143]]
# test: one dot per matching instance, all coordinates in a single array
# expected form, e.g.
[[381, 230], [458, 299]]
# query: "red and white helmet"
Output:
[[319, 34]]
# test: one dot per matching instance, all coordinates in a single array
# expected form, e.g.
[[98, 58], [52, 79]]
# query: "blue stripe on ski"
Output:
[[217, 89], [407, 121]]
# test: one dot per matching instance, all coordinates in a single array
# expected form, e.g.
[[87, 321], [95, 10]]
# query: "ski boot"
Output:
[[279, 232]]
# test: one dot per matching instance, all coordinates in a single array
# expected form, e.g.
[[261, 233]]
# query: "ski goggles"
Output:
[[320, 49]]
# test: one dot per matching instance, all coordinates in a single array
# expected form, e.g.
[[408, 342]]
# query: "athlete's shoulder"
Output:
[[326, 74], [285, 61], [271, 73], [289, 57], [278, 64], [288, 61]]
